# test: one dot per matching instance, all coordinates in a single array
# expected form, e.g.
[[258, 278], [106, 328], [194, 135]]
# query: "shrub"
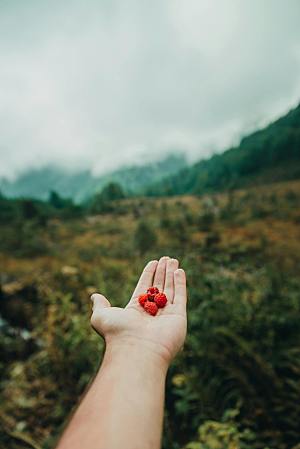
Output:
[[145, 237]]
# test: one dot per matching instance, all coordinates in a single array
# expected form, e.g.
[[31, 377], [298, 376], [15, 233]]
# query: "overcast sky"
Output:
[[101, 83]]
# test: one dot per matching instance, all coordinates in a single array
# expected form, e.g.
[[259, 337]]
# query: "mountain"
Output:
[[81, 185], [269, 155]]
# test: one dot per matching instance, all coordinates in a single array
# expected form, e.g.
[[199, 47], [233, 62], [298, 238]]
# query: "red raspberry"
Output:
[[143, 299], [152, 291], [151, 307], [160, 300]]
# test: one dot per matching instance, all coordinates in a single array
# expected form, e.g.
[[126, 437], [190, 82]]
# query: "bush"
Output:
[[223, 435], [144, 238]]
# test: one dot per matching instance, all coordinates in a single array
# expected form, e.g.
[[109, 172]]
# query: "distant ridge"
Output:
[[81, 185], [269, 155]]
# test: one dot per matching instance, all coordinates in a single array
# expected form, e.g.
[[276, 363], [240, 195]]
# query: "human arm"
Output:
[[124, 406]]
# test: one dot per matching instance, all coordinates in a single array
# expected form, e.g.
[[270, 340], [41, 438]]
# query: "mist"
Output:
[[97, 85]]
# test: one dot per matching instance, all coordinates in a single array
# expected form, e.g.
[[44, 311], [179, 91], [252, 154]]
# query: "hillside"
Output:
[[81, 185], [269, 155], [237, 378]]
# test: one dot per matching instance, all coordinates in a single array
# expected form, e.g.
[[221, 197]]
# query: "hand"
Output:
[[162, 334]]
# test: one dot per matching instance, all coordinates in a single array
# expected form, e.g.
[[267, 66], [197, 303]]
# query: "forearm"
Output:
[[124, 406]]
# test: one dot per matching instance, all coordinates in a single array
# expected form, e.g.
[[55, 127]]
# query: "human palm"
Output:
[[163, 333]]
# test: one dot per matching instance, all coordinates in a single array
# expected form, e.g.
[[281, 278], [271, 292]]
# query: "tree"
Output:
[[145, 237], [101, 202], [112, 191], [29, 209], [56, 200]]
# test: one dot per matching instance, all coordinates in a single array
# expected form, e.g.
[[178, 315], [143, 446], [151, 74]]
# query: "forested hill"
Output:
[[82, 185], [269, 155]]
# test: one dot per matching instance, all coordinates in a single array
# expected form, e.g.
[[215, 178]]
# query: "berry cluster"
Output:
[[153, 300]]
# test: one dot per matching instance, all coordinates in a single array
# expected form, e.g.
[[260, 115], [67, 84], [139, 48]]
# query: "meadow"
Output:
[[236, 384]]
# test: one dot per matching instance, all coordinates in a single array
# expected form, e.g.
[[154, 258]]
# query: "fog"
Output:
[[98, 84]]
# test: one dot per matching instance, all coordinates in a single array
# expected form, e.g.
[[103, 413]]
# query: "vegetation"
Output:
[[82, 185], [269, 155], [144, 237], [236, 385]]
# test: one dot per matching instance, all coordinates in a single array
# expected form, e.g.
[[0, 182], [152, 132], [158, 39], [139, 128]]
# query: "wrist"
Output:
[[136, 352]]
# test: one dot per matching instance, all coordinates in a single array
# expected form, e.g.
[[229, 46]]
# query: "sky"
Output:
[[98, 84]]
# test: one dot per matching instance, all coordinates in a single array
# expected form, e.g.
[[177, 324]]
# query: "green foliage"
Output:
[[37, 211], [235, 385], [206, 220], [103, 201], [112, 191], [144, 237], [82, 185], [242, 350], [223, 435], [68, 343], [268, 155]]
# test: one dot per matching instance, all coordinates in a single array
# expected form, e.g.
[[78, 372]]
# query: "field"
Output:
[[236, 385]]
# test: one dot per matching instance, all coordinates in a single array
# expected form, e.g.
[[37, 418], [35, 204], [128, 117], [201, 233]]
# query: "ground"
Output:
[[241, 252]]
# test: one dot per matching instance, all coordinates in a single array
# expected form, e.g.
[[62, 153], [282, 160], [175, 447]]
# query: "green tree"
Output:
[[56, 200], [145, 237], [112, 191], [101, 202]]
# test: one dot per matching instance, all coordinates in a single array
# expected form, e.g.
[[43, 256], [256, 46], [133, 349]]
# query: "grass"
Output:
[[241, 251]]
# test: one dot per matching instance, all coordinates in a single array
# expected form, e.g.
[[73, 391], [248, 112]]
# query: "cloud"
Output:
[[98, 84]]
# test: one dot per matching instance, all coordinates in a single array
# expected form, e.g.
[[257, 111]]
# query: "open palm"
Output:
[[163, 333]]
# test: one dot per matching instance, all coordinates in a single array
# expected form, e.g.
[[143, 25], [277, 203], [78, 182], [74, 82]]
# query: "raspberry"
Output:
[[143, 299], [152, 291], [151, 307], [160, 300]]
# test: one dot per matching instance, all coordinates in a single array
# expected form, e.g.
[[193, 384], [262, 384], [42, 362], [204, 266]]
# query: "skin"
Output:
[[124, 406]]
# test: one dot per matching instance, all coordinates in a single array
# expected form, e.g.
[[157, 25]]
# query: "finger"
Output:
[[145, 280], [172, 265], [160, 273], [180, 296], [99, 301]]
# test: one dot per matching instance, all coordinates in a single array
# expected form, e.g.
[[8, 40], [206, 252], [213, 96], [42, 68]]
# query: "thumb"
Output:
[[100, 304], [99, 301]]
